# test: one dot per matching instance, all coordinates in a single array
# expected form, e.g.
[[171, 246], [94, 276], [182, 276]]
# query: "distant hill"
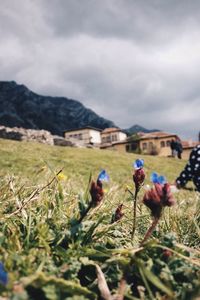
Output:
[[137, 128], [21, 107]]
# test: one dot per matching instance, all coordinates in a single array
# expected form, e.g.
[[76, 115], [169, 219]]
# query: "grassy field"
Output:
[[49, 254], [27, 159]]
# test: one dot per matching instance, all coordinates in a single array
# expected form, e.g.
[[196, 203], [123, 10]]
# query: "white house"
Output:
[[86, 135]]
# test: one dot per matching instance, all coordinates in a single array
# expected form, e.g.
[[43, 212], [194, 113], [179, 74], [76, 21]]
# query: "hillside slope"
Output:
[[26, 159]]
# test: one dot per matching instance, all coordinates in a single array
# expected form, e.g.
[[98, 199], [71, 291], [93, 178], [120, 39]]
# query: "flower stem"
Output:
[[134, 213], [150, 230], [85, 212]]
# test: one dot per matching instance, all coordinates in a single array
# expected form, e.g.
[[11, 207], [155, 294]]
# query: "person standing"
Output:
[[179, 148], [173, 147]]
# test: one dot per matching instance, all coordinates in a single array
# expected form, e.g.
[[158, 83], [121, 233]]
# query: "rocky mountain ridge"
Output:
[[20, 107]]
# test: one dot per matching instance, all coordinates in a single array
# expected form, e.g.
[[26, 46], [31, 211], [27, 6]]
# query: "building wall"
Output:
[[153, 146], [132, 146], [116, 147], [85, 135], [82, 135], [164, 151], [122, 136], [95, 136], [109, 137], [159, 146], [120, 147], [186, 153], [112, 137]]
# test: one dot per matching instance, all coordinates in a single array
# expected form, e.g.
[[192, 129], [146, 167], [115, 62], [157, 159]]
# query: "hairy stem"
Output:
[[134, 213], [150, 230]]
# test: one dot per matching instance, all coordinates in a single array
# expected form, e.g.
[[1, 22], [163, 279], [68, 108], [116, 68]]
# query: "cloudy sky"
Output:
[[131, 61]]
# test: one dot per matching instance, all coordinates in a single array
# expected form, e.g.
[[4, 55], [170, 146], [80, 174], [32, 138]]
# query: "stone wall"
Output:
[[40, 136], [22, 134]]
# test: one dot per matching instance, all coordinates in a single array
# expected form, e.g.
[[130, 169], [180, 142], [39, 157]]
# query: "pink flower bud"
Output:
[[138, 178], [118, 214], [96, 192], [157, 198]]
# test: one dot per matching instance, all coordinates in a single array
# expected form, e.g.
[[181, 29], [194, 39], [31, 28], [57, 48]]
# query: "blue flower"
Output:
[[3, 275], [103, 176], [138, 164], [155, 178]]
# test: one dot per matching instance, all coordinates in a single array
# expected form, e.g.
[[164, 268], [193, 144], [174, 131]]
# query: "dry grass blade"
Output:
[[102, 284], [121, 290], [104, 289], [33, 196]]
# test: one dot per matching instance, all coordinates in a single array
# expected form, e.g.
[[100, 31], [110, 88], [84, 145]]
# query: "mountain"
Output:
[[21, 107], [137, 128]]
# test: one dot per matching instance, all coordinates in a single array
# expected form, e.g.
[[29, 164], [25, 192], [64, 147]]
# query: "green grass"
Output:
[[48, 254], [27, 159]]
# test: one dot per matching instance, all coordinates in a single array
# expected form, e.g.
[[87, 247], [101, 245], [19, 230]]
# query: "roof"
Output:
[[189, 144], [111, 130], [82, 128], [157, 135]]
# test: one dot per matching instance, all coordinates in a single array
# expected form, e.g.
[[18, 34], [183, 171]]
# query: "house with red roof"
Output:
[[153, 143]]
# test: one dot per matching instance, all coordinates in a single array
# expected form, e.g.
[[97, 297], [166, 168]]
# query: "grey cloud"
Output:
[[23, 20], [130, 61], [139, 20]]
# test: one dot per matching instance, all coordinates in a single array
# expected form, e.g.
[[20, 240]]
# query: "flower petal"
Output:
[[138, 164], [103, 176], [162, 179], [154, 177], [3, 275]]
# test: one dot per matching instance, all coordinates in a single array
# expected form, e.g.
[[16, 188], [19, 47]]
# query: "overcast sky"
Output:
[[131, 61]]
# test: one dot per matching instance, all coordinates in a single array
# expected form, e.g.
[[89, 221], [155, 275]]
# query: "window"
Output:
[[144, 146], [168, 143], [133, 146], [80, 136], [162, 144], [108, 139], [114, 138], [127, 148], [103, 139]]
